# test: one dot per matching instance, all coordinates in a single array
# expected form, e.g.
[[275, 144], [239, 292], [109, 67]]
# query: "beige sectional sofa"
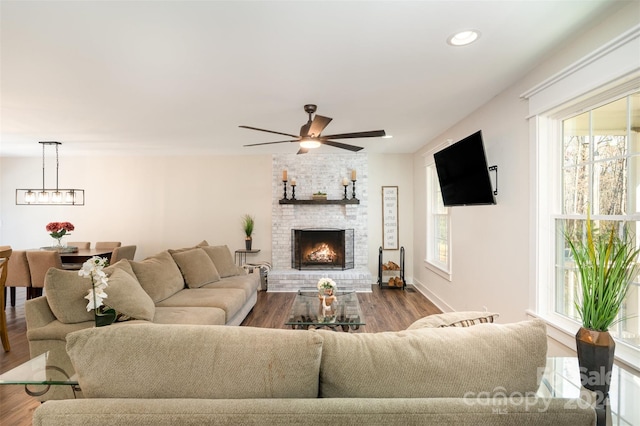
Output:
[[146, 374], [195, 285]]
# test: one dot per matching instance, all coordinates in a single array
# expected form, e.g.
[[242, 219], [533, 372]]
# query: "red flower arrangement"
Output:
[[58, 230]]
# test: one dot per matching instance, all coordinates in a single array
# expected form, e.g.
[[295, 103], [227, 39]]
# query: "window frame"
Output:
[[432, 191], [547, 128]]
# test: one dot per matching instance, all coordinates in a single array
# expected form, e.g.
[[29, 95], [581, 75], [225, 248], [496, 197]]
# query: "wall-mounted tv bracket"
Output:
[[495, 169]]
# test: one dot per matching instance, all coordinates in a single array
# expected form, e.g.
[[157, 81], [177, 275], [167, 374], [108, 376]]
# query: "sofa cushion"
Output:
[[189, 315], [249, 283], [454, 319], [195, 361], [65, 292], [231, 300], [159, 276], [221, 256], [196, 267], [434, 362], [126, 296]]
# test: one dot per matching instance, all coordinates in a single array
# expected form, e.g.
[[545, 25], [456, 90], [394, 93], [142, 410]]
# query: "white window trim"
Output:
[[592, 77], [445, 273]]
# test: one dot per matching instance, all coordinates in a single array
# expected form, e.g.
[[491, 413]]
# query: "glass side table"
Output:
[[38, 371], [562, 379]]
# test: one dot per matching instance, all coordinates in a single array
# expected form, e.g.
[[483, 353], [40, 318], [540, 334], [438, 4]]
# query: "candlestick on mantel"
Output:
[[284, 175], [284, 183], [346, 185], [353, 175], [353, 195]]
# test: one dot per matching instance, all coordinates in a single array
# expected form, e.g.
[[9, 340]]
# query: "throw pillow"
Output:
[[126, 296], [159, 276], [221, 256], [65, 291], [454, 319], [197, 267]]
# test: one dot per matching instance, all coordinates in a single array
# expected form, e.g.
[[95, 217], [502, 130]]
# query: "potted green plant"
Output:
[[607, 264], [247, 226]]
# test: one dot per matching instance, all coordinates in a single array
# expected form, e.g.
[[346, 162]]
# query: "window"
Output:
[[438, 227], [599, 171]]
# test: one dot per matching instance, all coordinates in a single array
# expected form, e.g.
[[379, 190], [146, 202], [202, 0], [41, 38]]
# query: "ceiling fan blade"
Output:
[[269, 131], [369, 134], [343, 145], [302, 151], [269, 143], [318, 125]]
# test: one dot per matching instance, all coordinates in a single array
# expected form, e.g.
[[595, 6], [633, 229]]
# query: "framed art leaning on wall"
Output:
[[390, 218]]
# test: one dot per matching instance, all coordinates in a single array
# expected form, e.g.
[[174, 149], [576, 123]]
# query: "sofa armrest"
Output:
[[38, 313]]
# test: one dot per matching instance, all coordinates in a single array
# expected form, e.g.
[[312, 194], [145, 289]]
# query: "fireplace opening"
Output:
[[322, 248]]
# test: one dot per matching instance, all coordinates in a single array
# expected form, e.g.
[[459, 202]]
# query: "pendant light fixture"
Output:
[[50, 197]]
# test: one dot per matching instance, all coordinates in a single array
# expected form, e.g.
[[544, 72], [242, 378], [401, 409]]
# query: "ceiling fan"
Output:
[[311, 137]]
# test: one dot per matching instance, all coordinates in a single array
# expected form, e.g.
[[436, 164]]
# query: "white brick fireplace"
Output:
[[319, 173]]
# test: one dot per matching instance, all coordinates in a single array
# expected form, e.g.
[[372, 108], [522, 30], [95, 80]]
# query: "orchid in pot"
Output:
[[93, 269], [607, 265]]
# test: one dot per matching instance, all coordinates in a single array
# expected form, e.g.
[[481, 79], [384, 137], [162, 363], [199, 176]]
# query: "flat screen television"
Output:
[[463, 173]]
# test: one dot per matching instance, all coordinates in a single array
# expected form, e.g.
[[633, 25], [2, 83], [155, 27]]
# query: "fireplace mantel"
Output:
[[321, 202]]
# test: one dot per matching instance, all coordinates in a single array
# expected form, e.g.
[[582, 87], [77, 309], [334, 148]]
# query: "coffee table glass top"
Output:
[[37, 371], [307, 311]]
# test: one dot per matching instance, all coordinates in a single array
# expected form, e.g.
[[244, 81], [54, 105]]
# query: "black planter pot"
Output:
[[247, 243], [595, 357]]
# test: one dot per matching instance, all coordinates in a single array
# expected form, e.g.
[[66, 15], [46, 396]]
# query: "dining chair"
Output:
[[5, 254], [39, 263], [80, 244], [107, 244], [123, 252], [18, 275]]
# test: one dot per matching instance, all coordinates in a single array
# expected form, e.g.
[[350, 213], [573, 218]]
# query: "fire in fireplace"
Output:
[[322, 248]]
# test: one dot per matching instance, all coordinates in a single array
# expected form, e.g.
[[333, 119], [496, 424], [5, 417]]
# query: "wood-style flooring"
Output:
[[383, 310]]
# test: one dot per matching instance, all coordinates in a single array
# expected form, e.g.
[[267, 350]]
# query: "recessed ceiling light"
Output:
[[462, 38], [387, 137]]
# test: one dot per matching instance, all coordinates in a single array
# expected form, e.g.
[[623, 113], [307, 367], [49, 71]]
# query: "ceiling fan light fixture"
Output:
[[309, 143], [463, 38]]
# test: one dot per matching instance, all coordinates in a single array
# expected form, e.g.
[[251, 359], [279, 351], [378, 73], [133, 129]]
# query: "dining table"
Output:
[[75, 259]]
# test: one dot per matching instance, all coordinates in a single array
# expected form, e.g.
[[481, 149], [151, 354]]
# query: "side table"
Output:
[[562, 379], [241, 256]]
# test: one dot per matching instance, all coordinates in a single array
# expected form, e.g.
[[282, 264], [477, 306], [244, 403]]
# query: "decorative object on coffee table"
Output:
[[247, 225], [326, 288], [607, 264], [93, 268]]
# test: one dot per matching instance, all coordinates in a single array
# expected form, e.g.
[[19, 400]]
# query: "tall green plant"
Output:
[[607, 265], [247, 224]]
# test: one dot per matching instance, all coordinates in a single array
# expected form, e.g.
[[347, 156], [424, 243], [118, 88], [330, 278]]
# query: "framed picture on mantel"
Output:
[[390, 218]]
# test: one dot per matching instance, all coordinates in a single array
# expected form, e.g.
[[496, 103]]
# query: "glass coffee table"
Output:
[[306, 312], [38, 371]]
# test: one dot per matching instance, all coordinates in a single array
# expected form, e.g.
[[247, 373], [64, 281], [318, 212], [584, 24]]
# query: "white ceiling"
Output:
[[178, 77]]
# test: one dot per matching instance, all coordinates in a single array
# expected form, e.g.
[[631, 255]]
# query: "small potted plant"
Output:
[[607, 264], [247, 226]]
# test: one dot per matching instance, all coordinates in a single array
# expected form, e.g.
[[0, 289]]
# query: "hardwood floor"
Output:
[[384, 310]]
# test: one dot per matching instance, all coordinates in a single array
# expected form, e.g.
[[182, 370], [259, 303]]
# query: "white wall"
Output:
[[169, 202], [153, 202], [492, 246]]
